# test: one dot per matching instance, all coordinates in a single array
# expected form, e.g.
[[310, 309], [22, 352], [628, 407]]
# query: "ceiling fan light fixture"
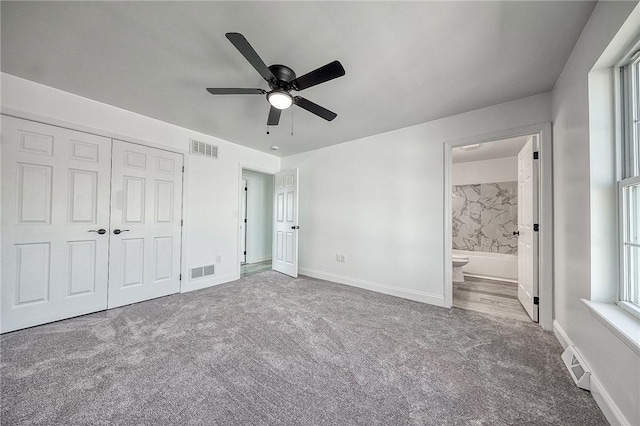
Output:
[[280, 99]]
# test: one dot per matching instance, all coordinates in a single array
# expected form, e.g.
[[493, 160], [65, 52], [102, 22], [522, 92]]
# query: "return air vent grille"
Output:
[[204, 149], [202, 271]]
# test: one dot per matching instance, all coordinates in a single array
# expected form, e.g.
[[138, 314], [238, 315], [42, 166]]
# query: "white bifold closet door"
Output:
[[55, 199], [146, 206], [87, 223]]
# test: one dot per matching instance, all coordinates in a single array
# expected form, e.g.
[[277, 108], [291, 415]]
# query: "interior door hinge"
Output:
[[245, 188], [181, 222], [536, 227], [180, 277], [536, 300], [245, 221], [245, 253], [535, 155], [182, 169]]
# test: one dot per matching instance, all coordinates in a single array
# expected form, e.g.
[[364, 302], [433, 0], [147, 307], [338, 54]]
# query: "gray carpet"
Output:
[[270, 349]]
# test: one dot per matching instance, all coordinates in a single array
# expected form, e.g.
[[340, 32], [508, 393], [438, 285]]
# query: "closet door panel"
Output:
[[55, 197], [146, 230]]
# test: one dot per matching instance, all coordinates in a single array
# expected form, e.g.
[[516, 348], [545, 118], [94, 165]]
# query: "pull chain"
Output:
[[267, 129], [291, 121]]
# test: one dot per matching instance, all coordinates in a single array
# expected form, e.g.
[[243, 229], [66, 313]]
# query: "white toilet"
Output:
[[458, 263]]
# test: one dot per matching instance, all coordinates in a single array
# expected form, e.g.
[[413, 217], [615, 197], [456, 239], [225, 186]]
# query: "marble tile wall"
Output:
[[485, 216]]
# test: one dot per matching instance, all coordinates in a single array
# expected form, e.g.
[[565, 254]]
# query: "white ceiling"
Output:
[[405, 62], [489, 150]]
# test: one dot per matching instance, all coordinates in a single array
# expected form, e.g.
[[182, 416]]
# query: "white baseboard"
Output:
[[199, 284], [606, 404], [561, 335], [608, 407], [418, 296]]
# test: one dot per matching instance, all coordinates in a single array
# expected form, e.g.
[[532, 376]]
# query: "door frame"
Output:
[[252, 168], [11, 112], [545, 216]]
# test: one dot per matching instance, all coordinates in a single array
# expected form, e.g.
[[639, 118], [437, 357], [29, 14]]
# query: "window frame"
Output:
[[628, 173], [624, 285]]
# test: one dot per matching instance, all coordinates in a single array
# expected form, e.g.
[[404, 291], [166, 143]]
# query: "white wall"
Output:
[[584, 211], [485, 171], [379, 201], [259, 215], [211, 186]]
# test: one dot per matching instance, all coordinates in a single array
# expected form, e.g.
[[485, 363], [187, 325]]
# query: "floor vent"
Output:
[[202, 271], [580, 374], [204, 149]]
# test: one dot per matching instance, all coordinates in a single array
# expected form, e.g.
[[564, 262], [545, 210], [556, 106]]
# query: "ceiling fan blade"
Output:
[[250, 55], [232, 91], [314, 108], [328, 72], [274, 116]]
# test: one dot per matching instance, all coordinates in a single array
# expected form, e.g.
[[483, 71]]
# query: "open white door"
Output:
[[55, 221], [243, 219], [285, 229], [527, 224], [146, 205]]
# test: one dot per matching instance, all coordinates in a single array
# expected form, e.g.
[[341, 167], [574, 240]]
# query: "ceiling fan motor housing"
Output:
[[284, 76], [281, 86]]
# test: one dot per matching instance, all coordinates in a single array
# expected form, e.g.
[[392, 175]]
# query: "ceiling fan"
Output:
[[282, 80]]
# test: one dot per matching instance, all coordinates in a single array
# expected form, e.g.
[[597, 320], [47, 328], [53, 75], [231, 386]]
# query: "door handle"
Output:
[[516, 232], [117, 231], [295, 227], [99, 231]]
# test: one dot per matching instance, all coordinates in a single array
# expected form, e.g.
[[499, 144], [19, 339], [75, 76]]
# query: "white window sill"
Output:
[[623, 325]]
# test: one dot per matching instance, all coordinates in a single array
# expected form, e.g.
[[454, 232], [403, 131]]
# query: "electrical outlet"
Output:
[[337, 257], [342, 258], [218, 259]]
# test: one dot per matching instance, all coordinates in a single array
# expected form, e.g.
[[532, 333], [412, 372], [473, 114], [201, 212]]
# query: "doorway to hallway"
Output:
[[256, 219]]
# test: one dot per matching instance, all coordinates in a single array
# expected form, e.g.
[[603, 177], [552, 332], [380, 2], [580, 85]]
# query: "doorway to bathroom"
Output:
[[497, 203], [485, 204], [256, 222]]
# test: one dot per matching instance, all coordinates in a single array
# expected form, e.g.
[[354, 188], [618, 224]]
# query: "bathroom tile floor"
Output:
[[496, 298]]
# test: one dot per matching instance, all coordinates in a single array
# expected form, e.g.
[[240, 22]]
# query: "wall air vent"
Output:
[[208, 270], [580, 373], [202, 271], [204, 149]]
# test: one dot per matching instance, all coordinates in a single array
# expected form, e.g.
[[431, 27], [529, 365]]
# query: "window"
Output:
[[629, 184]]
